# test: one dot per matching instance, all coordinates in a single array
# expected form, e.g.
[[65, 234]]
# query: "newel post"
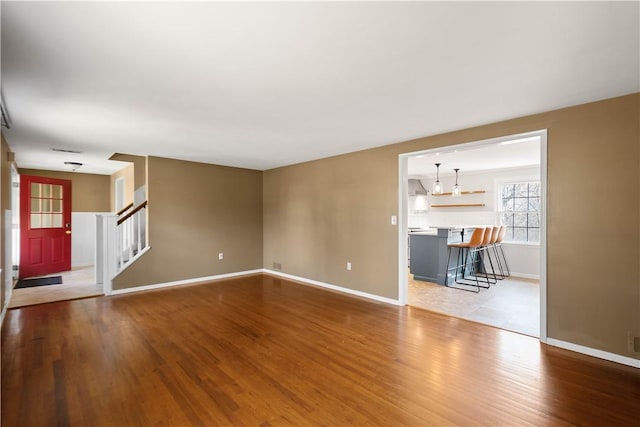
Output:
[[106, 256]]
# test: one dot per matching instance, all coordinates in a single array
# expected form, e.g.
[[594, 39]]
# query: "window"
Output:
[[46, 205], [519, 206]]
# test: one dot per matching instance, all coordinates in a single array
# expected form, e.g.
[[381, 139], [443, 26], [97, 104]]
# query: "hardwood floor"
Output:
[[263, 351]]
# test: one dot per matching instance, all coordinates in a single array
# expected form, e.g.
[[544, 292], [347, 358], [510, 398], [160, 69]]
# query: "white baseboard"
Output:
[[4, 313], [333, 287], [550, 341], [612, 357], [525, 275], [82, 263], [185, 282], [9, 283], [252, 272], [133, 260]]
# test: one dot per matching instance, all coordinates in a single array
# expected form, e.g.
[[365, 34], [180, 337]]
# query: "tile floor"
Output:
[[80, 282], [512, 304]]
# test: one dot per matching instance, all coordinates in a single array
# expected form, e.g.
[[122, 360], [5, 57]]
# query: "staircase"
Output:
[[121, 240], [131, 235]]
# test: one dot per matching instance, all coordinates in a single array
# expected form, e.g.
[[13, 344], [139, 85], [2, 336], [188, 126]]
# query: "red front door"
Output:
[[45, 225]]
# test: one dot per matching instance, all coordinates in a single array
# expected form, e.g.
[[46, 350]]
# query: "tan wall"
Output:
[[319, 215], [89, 192], [139, 167], [5, 203], [128, 174], [197, 210]]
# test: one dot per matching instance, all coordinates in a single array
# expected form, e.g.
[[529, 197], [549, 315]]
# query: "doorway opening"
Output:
[[45, 232], [502, 182], [119, 193], [53, 247]]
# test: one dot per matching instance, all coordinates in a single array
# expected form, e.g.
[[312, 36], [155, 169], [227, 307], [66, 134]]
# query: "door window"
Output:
[[46, 206]]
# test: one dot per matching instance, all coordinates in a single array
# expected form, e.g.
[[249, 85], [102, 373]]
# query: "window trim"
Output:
[[498, 183]]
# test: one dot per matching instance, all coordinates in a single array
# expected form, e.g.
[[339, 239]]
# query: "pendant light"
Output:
[[437, 186], [73, 165], [457, 191]]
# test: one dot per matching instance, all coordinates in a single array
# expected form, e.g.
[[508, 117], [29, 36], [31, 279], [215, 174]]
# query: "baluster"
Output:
[[119, 246], [129, 223], [143, 221], [130, 238], [138, 219], [124, 243]]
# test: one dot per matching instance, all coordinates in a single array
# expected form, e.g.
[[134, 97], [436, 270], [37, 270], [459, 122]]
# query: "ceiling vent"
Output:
[[63, 150]]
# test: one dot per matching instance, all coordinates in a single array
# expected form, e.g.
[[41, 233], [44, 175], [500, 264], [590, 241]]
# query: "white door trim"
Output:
[[403, 215], [118, 193], [543, 237]]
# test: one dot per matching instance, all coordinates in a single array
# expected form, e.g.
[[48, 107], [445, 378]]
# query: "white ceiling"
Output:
[[261, 85], [515, 153]]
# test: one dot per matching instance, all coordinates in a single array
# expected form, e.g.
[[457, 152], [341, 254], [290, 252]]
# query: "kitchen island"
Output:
[[428, 251]]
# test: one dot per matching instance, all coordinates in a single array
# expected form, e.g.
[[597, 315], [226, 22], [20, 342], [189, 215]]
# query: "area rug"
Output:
[[42, 281]]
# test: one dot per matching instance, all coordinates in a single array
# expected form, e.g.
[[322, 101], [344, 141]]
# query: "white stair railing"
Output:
[[131, 235], [120, 241]]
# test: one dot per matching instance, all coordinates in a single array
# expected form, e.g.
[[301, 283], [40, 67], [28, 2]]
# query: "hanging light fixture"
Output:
[[457, 191], [73, 165], [437, 186]]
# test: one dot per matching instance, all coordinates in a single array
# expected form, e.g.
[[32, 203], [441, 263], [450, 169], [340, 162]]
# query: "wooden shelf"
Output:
[[464, 192], [460, 205]]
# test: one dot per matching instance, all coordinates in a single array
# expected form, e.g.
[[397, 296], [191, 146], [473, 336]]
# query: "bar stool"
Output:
[[492, 245], [490, 237], [498, 244], [472, 247]]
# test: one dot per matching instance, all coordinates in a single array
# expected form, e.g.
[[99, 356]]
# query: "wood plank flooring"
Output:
[[263, 351]]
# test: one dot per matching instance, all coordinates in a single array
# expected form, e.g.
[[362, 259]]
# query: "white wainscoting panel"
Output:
[[83, 238]]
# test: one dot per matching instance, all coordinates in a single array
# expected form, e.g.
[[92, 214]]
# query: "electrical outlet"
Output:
[[220, 256], [394, 220], [348, 266], [277, 266]]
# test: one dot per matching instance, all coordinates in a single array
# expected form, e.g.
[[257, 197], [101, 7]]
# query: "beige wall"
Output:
[[139, 167], [89, 192], [197, 210], [128, 174], [5, 203], [319, 215]]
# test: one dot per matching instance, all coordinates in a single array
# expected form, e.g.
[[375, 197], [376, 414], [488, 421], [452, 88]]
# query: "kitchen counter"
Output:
[[424, 232], [429, 251]]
